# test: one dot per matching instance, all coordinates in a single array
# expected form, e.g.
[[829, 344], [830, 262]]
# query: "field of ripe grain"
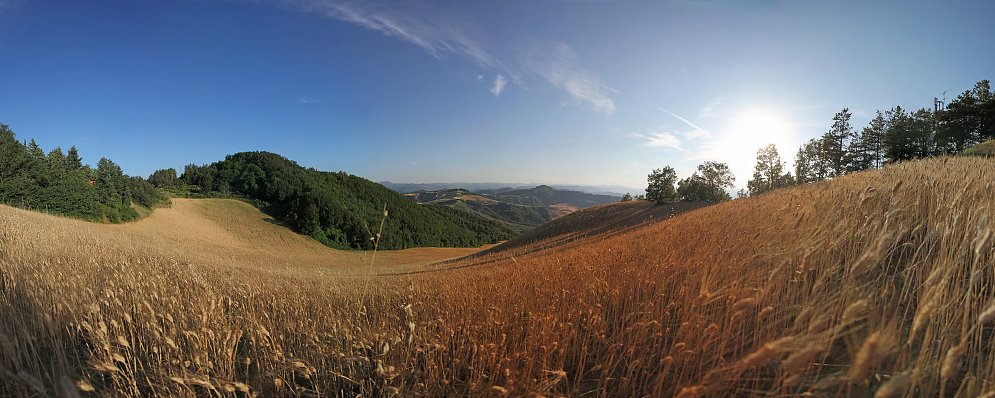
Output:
[[875, 284], [206, 232]]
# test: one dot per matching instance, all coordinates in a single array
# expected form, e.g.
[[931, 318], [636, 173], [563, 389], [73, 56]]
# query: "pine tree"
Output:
[[56, 162], [899, 141], [12, 153], [72, 158], [835, 143], [921, 134], [811, 163], [872, 139]]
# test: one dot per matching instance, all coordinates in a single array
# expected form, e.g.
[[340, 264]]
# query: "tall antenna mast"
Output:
[[938, 104]]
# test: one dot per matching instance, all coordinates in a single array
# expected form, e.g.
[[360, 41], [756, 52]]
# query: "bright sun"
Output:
[[749, 130], [755, 128]]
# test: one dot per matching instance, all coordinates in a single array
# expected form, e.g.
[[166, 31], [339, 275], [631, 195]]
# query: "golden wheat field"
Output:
[[875, 284]]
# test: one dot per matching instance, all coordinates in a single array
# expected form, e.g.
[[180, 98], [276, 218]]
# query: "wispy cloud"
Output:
[[442, 34], [695, 142], [605, 86], [306, 100], [697, 132], [559, 65], [429, 29], [709, 110], [498, 86], [659, 138]]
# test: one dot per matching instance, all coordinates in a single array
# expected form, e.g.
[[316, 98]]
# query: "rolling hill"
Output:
[[522, 209], [877, 284], [209, 232], [611, 190], [342, 210], [595, 221]]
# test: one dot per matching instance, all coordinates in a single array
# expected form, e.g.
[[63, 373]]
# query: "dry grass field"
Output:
[[875, 284]]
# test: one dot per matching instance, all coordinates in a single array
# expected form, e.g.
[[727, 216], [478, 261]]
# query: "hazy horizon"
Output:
[[578, 93]]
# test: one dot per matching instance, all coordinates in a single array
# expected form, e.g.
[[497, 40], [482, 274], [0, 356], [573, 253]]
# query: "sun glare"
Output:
[[751, 129], [755, 128]]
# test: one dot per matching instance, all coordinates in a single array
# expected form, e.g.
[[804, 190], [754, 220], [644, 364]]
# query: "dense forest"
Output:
[[337, 209], [59, 183]]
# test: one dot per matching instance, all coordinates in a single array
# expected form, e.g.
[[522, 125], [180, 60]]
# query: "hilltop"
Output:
[[338, 209], [522, 209], [872, 284], [404, 187]]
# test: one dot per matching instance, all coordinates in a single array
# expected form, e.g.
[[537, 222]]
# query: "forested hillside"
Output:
[[522, 209], [59, 183], [338, 209], [545, 195]]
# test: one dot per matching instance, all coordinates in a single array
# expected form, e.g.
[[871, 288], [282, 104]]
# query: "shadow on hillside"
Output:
[[599, 220]]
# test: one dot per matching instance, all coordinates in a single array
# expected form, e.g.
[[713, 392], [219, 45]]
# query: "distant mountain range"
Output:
[[521, 208], [613, 190]]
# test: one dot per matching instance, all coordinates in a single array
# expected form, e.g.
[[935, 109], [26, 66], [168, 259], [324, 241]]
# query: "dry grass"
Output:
[[879, 283]]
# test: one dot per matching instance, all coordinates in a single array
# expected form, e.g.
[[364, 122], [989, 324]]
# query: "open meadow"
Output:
[[852, 287]]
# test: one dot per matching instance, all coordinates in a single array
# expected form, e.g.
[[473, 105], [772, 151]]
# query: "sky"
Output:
[[560, 92]]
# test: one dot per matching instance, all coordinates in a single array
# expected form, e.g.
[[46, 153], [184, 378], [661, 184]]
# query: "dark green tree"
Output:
[[921, 134], [834, 143], [59, 183], [907, 135], [12, 154], [200, 176], [145, 194], [661, 185], [967, 120], [74, 160], [867, 151], [164, 178], [707, 184], [57, 162], [811, 164]]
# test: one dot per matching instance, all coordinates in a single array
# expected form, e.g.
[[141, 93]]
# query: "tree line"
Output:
[[892, 136], [337, 209], [60, 183], [707, 184]]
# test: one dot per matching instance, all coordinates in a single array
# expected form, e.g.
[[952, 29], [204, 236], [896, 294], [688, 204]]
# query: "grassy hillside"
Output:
[[545, 195], [605, 219], [342, 210], [873, 284], [986, 149], [522, 209]]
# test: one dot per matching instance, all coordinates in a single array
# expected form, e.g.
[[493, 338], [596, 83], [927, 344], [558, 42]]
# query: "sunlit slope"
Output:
[[208, 231], [594, 221], [875, 284], [879, 282]]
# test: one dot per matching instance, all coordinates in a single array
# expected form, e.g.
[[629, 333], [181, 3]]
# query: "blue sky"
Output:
[[577, 92]]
